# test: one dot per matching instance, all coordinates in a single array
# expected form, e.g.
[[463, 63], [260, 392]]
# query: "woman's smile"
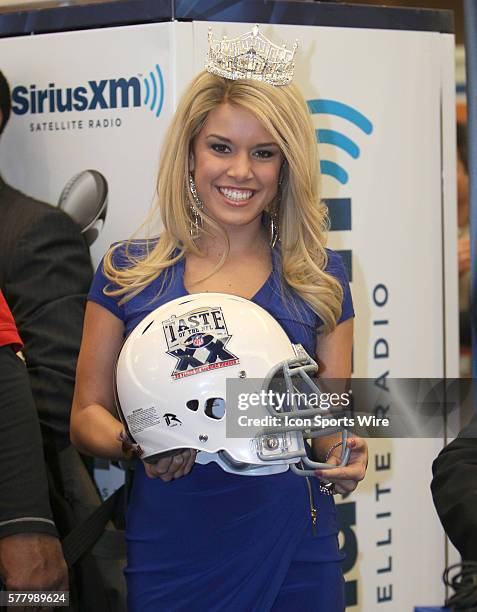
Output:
[[236, 196]]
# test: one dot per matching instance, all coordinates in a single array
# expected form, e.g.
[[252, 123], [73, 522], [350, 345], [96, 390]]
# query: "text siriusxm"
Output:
[[94, 95]]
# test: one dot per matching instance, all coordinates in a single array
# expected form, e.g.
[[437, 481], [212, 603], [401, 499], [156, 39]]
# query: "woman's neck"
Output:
[[241, 243]]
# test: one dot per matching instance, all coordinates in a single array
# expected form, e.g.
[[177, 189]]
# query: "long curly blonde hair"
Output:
[[302, 217]]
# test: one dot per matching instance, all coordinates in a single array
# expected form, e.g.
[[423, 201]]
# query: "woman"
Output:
[[239, 200]]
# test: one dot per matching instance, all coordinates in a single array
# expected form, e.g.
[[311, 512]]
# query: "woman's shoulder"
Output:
[[334, 259], [334, 265], [127, 253]]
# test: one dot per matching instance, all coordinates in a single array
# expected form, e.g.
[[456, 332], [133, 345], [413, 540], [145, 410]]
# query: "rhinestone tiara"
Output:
[[251, 56]]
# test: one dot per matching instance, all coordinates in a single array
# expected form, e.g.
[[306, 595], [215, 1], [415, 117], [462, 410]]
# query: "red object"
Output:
[[8, 329]]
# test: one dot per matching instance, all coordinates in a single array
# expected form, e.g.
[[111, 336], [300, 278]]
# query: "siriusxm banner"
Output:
[[86, 134], [383, 108], [89, 115]]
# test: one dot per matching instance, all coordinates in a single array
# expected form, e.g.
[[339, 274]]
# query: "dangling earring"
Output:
[[274, 228], [196, 219]]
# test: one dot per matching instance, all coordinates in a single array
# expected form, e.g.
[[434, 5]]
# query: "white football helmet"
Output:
[[171, 378]]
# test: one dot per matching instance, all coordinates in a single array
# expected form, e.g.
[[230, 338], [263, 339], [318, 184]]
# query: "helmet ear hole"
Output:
[[193, 405], [215, 408]]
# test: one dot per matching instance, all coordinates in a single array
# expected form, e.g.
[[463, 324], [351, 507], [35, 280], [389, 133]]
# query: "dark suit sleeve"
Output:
[[454, 489], [23, 484], [46, 289]]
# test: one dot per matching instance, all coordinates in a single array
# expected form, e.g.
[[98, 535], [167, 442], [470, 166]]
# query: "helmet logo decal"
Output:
[[197, 340], [172, 420]]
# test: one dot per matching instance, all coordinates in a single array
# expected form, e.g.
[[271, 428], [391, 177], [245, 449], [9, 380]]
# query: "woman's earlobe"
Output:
[[191, 162]]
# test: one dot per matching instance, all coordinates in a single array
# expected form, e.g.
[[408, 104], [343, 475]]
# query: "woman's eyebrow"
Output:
[[218, 137], [265, 144], [260, 144]]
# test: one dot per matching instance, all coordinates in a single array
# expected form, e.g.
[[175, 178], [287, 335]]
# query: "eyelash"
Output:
[[261, 153], [219, 148], [268, 154]]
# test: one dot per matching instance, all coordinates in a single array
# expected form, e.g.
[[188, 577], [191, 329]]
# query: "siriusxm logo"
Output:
[[336, 138], [339, 209], [92, 95]]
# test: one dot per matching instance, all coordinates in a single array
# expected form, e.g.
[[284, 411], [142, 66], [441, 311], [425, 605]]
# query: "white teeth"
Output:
[[237, 195]]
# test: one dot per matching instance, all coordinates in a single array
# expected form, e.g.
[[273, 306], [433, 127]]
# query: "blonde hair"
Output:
[[302, 217]]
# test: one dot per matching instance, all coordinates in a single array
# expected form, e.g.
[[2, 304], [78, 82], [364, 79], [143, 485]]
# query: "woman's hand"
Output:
[[166, 466], [346, 478], [171, 465]]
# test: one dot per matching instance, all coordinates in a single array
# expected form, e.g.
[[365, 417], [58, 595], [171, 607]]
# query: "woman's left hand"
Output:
[[346, 478]]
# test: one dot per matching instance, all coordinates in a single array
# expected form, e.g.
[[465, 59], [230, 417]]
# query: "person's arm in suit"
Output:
[[30, 551], [454, 489], [46, 284]]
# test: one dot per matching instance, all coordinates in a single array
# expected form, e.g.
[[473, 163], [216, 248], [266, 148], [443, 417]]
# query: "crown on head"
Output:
[[251, 56]]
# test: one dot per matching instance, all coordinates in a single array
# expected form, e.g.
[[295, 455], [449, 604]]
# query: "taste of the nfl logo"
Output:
[[197, 339]]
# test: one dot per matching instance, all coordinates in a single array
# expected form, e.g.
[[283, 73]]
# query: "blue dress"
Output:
[[214, 541]]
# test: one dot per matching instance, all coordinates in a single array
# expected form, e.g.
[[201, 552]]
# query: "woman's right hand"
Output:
[[172, 465]]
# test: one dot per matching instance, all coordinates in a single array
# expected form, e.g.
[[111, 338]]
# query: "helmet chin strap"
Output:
[[227, 463], [315, 465]]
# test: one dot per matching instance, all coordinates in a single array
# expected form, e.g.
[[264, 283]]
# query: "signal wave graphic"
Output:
[[154, 84], [333, 137]]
